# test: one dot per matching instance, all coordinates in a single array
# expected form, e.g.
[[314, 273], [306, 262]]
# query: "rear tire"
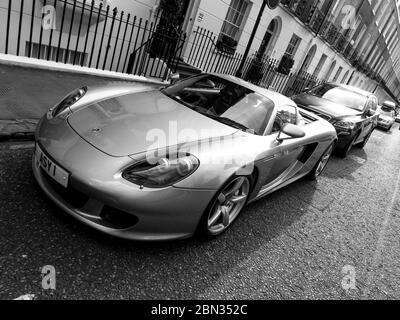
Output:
[[322, 163]]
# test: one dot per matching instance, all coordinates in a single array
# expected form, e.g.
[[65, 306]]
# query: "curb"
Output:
[[17, 136], [18, 129], [34, 63]]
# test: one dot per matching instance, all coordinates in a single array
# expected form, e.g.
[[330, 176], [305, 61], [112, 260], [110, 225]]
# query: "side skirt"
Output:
[[280, 181]]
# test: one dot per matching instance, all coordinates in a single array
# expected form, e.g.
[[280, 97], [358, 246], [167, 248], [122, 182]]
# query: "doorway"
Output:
[[309, 58], [268, 38]]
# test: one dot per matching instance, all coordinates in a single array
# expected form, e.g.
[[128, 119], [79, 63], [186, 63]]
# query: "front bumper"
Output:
[[385, 125], [344, 138], [166, 214], [98, 196]]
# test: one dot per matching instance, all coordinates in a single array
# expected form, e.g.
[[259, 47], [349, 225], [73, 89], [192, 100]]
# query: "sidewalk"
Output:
[[26, 94]]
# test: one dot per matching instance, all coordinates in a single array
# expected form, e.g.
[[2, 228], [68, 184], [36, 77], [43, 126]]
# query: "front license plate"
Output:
[[53, 170]]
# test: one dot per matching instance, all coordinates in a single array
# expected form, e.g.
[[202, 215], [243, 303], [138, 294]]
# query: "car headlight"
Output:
[[164, 173], [347, 125], [65, 103]]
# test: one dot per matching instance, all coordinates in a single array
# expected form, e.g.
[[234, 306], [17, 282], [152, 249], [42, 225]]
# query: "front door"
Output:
[[169, 29], [288, 151], [267, 39]]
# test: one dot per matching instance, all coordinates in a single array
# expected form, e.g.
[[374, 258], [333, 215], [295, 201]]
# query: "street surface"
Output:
[[309, 240]]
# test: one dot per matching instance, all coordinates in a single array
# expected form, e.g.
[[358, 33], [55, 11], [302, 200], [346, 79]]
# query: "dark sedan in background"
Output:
[[352, 111]]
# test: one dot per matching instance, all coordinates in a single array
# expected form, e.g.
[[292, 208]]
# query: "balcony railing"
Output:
[[317, 21]]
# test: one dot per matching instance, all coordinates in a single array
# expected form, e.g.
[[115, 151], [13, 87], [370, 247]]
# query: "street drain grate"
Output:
[[5, 91]]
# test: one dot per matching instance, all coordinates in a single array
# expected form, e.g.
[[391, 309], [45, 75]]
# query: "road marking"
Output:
[[26, 297], [381, 240]]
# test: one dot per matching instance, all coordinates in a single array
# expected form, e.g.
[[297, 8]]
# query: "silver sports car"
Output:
[[154, 164]]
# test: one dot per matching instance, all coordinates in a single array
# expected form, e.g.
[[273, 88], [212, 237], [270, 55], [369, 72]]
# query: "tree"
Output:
[[172, 10]]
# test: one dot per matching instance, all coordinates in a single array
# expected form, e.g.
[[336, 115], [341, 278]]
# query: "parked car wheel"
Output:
[[388, 129], [225, 207], [361, 145], [322, 163], [343, 153]]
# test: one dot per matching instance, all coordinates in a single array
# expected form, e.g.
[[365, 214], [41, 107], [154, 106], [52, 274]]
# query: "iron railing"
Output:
[[262, 71], [319, 23], [88, 34]]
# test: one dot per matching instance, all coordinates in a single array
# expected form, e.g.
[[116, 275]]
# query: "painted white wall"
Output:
[[139, 8]]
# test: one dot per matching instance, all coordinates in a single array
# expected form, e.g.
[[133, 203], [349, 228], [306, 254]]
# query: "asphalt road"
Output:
[[301, 242]]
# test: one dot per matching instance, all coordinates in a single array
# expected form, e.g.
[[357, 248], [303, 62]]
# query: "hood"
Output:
[[139, 122], [385, 116], [324, 106]]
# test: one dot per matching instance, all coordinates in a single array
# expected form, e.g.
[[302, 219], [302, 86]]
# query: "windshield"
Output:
[[224, 101], [341, 96], [387, 109]]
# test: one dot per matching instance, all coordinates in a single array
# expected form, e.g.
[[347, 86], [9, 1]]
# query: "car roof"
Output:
[[277, 98], [354, 89]]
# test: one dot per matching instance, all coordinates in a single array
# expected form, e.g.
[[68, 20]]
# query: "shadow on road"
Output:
[[190, 266], [88, 260], [339, 168]]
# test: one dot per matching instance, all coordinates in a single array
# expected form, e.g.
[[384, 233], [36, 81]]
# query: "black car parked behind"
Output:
[[352, 111]]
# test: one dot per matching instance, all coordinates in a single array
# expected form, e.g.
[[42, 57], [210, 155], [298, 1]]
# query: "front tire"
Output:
[[322, 163], [225, 207], [343, 153], [365, 141]]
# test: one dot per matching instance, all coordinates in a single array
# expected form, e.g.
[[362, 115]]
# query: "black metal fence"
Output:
[[87, 33], [205, 54]]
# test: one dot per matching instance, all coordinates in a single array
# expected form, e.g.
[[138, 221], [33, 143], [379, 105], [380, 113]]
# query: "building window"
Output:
[[319, 66], [345, 76], [337, 74], [293, 46], [331, 68], [51, 52], [234, 20]]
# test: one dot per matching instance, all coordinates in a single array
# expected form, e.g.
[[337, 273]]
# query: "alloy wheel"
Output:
[[349, 147], [229, 203], [324, 161]]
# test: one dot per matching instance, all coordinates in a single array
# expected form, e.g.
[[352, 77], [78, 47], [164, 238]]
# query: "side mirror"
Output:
[[174, 78], [291, 130], [370, 112]]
